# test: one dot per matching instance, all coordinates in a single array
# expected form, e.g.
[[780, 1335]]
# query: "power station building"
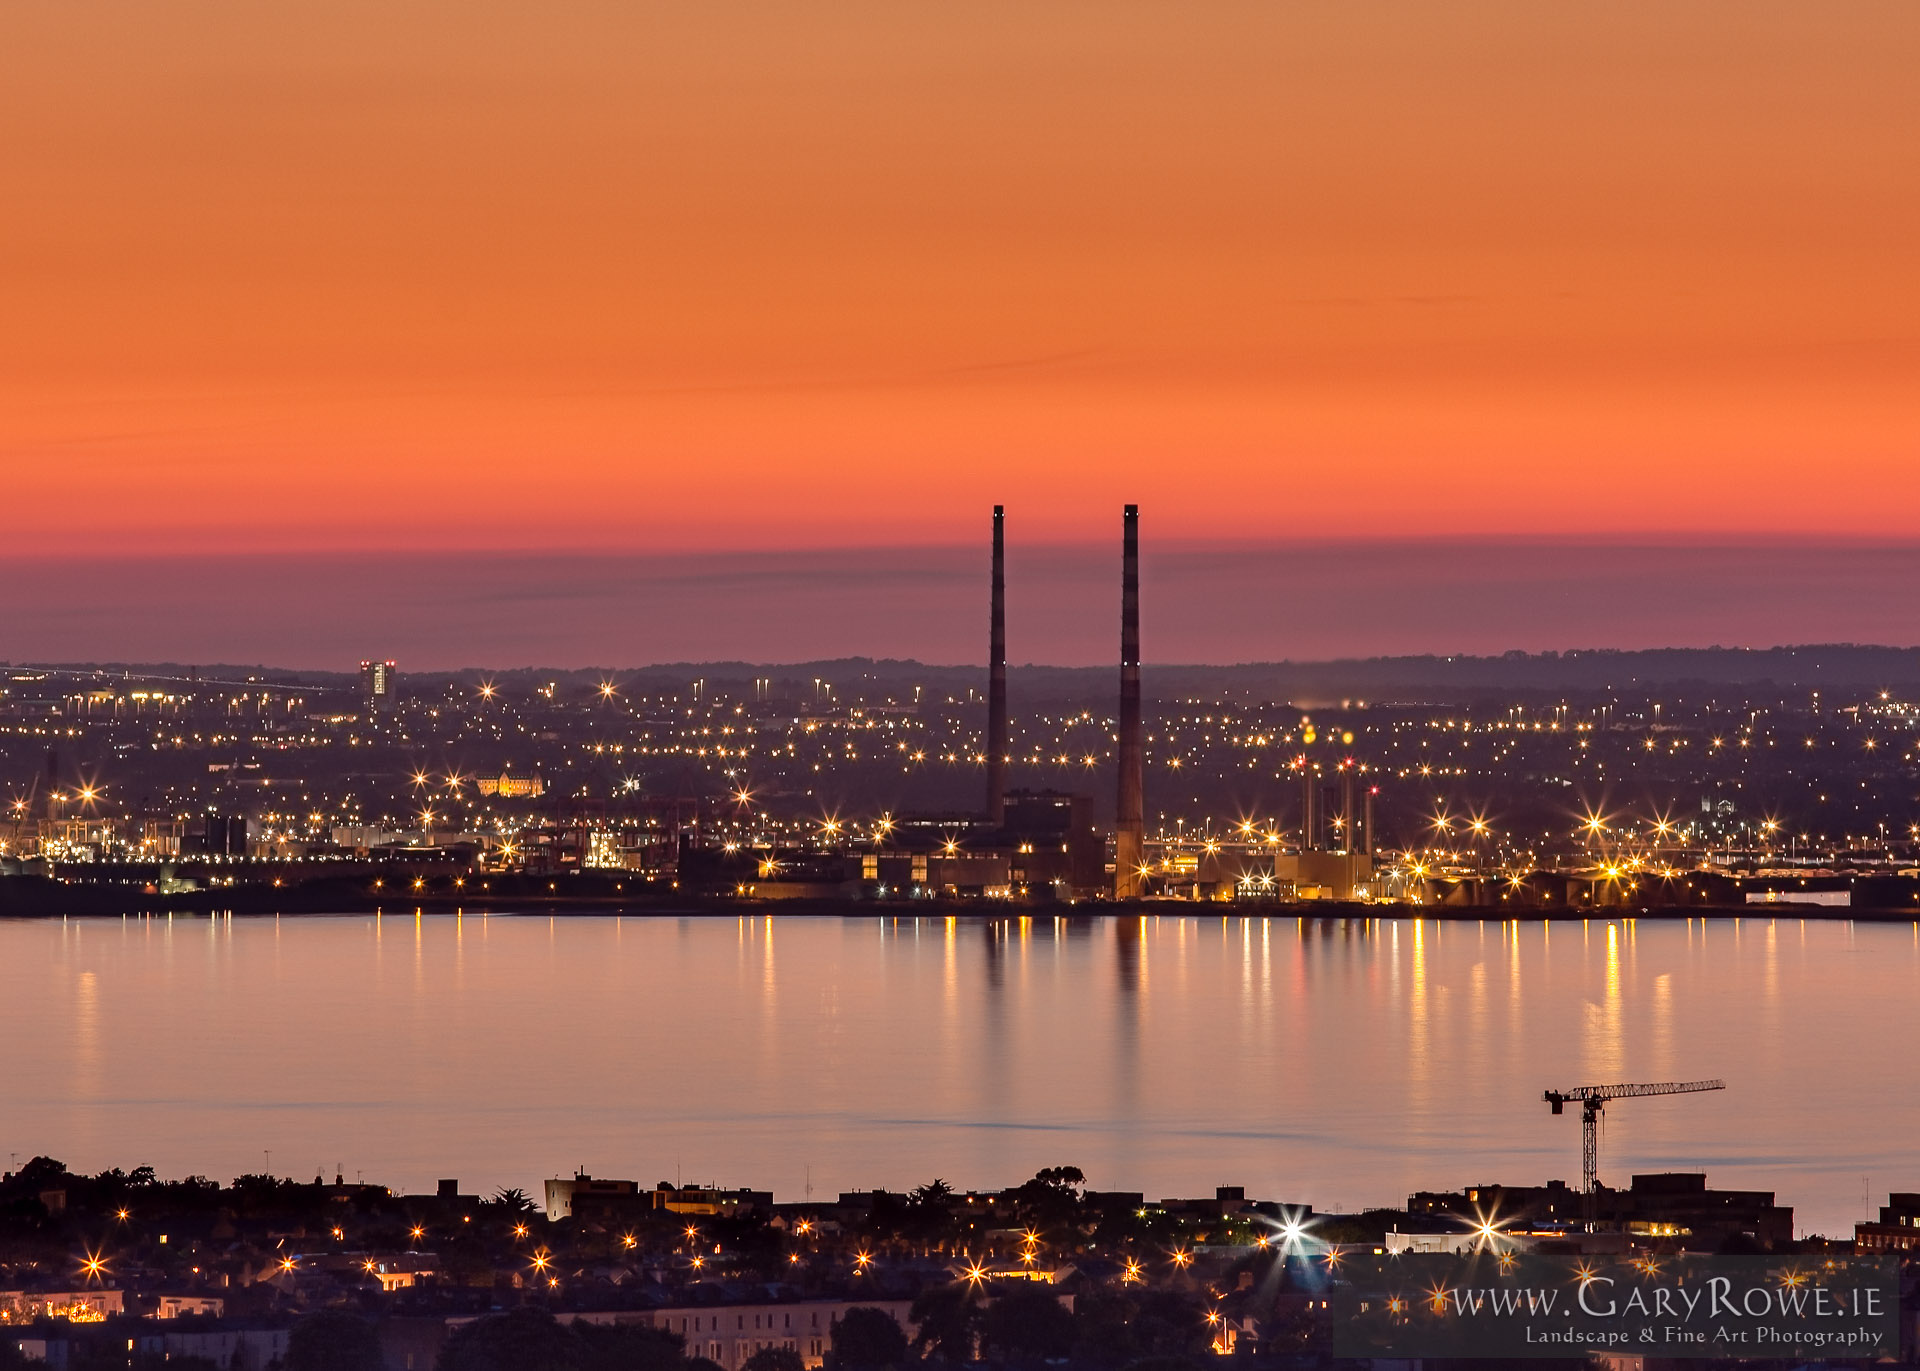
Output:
[[1048, 845]]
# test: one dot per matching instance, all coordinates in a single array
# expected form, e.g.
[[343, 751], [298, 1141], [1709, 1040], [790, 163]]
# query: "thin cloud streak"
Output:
[[1202, 604]]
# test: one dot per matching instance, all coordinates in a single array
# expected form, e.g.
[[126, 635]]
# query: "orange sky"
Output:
[[326, 273]]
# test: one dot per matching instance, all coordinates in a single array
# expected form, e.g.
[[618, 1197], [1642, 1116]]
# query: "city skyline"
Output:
[[1298, 622]]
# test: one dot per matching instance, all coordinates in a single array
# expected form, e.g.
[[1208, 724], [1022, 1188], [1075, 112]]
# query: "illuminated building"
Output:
[[729, 1334], [508, 786], [1675, 1207], [603, 850], [189, 1307], [707, 1200], [1898, 1229], [379, 687], [565, 1193], [588, 1197], [75, 1306]]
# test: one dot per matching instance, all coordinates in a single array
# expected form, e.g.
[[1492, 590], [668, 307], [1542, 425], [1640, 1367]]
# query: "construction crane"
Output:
[[1594, 1098]]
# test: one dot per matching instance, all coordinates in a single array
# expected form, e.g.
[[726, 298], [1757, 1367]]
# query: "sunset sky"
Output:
[[647, 277]]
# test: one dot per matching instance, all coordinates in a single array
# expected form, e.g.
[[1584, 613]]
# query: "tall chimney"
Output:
[[997, 679], [1129, 845]]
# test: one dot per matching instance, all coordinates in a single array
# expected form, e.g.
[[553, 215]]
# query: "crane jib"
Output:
[[1592, 1099], [1602, 1093]]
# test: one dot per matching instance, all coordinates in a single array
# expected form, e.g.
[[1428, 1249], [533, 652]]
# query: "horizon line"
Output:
[[1663, 539], [1511, 655]]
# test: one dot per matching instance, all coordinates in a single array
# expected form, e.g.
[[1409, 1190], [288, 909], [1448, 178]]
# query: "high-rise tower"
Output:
[[997, 678], [378, 687], [1129, 844]]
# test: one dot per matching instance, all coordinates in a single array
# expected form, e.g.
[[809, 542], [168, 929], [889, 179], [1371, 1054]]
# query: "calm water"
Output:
[[1332, 1063]]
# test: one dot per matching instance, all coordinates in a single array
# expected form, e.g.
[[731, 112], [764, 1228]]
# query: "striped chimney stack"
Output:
[[997, 678], [1129, 846]]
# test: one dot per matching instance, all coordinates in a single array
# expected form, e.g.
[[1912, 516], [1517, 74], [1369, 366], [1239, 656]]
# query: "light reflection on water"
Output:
[[1333, 1062]]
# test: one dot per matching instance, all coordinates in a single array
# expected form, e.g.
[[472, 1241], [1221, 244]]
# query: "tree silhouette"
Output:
[[629, 1347], [935, 1191], [1169, 1324], [1027, 1324], [1117, 1330], [929, 1212], [333, 1340], [866, 1339], [946, 1317], [518, 1340], [1166, 1363], [1052, 1198]]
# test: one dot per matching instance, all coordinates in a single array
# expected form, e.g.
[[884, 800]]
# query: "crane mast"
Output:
[[1594, 1098]]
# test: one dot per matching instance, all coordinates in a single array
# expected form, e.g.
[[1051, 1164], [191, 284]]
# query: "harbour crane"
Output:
[[1594, 1098]]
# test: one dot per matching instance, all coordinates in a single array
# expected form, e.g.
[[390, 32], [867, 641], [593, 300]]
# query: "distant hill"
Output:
[[1377, 679]]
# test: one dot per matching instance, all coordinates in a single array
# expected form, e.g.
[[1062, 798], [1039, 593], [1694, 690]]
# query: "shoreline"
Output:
[[57, 901]]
